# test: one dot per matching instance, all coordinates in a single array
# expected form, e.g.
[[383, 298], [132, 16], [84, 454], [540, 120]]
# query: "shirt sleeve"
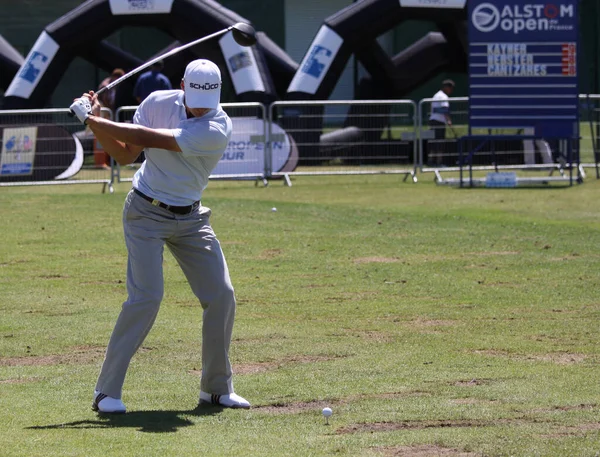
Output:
[[201, 138], [141, 116]]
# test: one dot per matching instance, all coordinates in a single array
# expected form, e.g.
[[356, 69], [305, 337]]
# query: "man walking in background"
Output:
[[184, 134], [439, 118], [150, 81]]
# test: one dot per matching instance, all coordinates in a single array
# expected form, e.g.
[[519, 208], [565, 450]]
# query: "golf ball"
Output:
[[327, 412], [273, 209]]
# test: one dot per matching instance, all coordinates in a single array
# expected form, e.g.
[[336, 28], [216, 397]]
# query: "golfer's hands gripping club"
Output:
[[85, 106]]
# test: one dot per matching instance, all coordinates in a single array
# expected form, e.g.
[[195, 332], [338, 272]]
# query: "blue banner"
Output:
[[523, 67]]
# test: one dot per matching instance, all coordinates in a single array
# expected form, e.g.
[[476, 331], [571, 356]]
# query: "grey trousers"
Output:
[[192, 242]]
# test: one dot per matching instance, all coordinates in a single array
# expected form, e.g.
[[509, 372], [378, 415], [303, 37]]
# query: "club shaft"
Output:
[[135, 71]]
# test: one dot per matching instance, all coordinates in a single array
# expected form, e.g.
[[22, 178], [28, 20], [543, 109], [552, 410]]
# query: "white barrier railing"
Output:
[[289, 138], [49, 146], [346, 137]]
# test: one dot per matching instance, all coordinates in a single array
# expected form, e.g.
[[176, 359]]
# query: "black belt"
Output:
[[174, 209]]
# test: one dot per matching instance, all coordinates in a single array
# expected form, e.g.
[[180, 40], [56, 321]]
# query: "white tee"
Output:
[[440, 106], [179, 178]]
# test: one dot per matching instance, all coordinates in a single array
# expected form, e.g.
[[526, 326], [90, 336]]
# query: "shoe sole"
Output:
[[209, 403]]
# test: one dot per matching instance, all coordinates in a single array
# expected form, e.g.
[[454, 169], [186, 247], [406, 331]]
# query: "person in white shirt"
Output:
[[439, 118], [183, 134]]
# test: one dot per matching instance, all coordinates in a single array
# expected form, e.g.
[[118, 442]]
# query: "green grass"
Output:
[[430, 319]]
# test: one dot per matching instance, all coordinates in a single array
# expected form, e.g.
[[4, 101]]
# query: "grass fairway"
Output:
[[432, 320]]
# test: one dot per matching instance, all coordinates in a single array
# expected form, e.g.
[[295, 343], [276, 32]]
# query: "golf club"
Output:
[[243, 33]]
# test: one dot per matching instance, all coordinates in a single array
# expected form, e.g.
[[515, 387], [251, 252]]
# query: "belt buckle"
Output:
[[155, 202]]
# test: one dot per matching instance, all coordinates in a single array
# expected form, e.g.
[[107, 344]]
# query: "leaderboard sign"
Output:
[[523, 66]]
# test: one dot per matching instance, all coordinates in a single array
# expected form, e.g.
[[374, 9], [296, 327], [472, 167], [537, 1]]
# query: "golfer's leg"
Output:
[[200, 256], [145, 292]]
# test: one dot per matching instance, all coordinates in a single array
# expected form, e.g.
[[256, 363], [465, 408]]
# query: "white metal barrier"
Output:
[[440, 153], [345, 137], [246, 155], [49, 147]]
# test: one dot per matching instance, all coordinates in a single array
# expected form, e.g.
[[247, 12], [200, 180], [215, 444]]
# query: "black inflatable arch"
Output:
[[354, 30], [10, 62], [80, 33]]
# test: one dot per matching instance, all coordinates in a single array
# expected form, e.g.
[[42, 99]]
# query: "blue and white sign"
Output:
[[523, 66], [18, 151], [317, 61]]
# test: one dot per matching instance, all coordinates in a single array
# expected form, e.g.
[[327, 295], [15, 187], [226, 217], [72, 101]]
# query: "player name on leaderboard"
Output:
[[528, 59]]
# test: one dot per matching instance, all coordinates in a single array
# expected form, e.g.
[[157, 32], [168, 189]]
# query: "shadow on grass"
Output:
[[144, 421]]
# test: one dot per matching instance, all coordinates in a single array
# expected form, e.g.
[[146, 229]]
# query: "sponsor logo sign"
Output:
[[523, 60], [18, 151], [317, 61], [517, 18], [245, 153], [434, 3], [35, 65], [241, 65], [119, 7]]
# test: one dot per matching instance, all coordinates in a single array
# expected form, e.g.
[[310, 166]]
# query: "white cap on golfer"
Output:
[[202, 84]]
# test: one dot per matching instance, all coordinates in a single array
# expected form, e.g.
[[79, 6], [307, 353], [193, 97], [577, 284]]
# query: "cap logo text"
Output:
[[205, 86]]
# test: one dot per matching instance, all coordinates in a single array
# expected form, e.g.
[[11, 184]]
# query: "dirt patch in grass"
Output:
[[296, 407], [560, 358], [371, 335], [270, 254], [553, 409], [576, 430], [376, 260], [472, 382], [282, 407], [422, 450], [79, 355], [410, 425]]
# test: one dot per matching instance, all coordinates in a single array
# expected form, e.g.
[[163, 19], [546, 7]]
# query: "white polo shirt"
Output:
[[440, 106], [179, 178]]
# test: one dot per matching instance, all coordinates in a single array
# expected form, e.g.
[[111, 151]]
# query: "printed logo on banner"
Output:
[[18, 151], [319, 58], [241, 65], [239, 61], [317, 62], [434, 3], [245, 151], [140, 6], [516, 18], [33, 67]]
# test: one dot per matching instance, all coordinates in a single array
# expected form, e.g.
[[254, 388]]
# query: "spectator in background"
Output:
[[107, 98], [439, 117], [150, 81]]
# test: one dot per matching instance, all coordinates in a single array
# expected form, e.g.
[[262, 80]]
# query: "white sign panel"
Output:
[[245, 153], [35, 65], [458, 4], [18, 151], [118, 7], [241, 65], [317, 61]]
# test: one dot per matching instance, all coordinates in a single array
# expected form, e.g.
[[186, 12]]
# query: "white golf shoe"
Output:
[[227, 401], [104, 404]]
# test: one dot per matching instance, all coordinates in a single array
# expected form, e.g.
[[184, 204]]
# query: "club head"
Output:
[[243, 34]]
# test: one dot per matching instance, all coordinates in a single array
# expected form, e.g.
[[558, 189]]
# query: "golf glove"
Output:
[[81, 108]]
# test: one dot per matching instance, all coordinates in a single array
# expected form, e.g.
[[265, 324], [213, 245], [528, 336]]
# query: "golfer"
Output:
[[183, 134]]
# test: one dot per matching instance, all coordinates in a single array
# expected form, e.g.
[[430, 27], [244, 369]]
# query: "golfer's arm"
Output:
[[124, 142]]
